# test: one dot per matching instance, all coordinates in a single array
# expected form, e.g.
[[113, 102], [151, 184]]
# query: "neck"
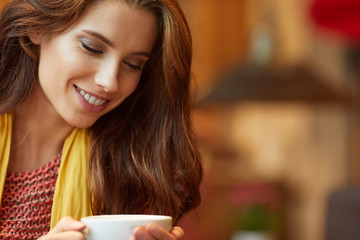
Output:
[[38, 135]]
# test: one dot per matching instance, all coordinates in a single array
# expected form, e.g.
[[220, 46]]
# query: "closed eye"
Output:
[[90, 49], [133, 66]]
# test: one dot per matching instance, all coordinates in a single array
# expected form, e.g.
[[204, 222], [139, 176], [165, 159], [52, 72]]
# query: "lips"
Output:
[[90, 102], [90, 98]]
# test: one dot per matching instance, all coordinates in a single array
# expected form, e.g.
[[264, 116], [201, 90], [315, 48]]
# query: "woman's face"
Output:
[[91, 68]]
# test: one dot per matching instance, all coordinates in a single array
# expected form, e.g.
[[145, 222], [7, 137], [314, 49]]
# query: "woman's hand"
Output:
[[67, 228], [154, 232]]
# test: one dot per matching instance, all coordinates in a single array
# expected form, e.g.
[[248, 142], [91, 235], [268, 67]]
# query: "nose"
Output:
[[108, 77]]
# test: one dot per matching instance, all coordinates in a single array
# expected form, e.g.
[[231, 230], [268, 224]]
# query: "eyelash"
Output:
[[132, 66], [92, 50]]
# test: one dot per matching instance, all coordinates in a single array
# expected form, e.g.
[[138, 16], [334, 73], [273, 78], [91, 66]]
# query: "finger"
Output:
[[140, 233], [158, 232], [68, 224], [177, 232]]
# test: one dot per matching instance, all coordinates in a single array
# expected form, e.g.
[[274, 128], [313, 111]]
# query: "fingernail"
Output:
[[136, 229], [77, 224], [152, 227]]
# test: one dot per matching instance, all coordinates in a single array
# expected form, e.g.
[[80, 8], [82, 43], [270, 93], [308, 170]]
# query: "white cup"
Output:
[[120, 227]]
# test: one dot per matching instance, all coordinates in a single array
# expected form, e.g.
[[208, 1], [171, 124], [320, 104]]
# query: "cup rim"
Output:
[[126, 217]]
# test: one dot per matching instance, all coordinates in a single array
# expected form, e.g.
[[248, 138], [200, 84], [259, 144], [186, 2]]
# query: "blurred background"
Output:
[[276, 115]]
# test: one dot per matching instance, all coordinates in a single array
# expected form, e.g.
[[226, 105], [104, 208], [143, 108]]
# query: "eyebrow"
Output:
[[99, 36], [108, 42]]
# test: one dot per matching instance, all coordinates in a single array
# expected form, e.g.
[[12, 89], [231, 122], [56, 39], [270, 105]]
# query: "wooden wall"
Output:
[[220, 37]]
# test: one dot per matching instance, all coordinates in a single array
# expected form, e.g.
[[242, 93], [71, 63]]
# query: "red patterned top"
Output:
[[26, 202]]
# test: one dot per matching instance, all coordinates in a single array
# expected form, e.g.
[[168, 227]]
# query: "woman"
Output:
[[94, 104]]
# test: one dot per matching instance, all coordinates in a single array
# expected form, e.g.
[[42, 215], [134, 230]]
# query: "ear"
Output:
[[35, 38]]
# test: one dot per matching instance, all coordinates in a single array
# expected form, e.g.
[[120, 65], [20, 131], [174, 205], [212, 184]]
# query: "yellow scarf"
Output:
[[71, 197]]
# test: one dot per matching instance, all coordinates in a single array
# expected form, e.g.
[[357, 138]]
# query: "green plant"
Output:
[[256, 218]]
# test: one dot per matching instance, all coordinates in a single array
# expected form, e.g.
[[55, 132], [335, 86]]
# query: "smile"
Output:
[[89, 98]]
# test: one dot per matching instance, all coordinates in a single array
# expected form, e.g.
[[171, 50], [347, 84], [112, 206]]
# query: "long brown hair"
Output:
[[143, 157]]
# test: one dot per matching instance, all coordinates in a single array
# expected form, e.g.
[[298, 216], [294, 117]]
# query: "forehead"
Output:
[[114, 10], [119, 21]]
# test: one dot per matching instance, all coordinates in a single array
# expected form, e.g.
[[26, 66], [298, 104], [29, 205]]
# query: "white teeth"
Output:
[[91, 99], [98, 102], [87, 97]]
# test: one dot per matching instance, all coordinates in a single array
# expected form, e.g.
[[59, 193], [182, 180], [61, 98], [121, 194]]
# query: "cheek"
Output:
[[59, 59], [131, 86], [72, 63], [127, 88], [51, 65], [128, 82]]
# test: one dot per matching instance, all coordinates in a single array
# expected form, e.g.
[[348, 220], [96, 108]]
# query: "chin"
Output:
[[83, 125], [80, 123]]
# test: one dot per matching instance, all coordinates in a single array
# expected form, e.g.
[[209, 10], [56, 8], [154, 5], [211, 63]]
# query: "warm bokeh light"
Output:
[[255, 129]]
